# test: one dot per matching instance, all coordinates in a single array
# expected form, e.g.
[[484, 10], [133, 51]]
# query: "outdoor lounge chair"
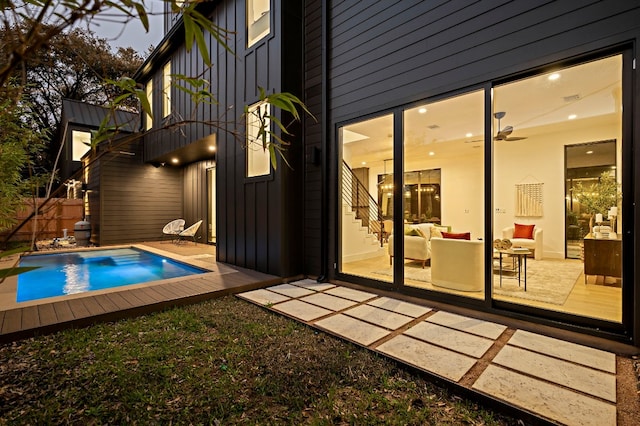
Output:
[[190, 232], [173, 229]]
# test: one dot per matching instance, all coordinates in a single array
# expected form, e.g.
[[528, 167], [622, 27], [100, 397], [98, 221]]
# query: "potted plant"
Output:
[[599, 197]]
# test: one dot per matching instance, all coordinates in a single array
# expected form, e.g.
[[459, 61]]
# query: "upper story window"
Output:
[[258, 20], [80, 144], [166, 89], [258, 159], [149, 117]]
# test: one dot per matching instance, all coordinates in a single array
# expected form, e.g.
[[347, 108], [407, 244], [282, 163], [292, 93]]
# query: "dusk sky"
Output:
[[133, 34]]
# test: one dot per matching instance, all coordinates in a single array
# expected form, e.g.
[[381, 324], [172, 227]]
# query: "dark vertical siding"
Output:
[[260, 219], [137, 204], [312, 136], [195, 196]]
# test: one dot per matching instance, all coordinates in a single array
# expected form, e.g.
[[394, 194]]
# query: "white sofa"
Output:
[[534, 244], [457, 264], [415, 247]]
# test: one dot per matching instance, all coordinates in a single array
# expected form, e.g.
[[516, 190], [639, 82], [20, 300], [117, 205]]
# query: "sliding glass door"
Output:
[[366, 198], [557, 190]]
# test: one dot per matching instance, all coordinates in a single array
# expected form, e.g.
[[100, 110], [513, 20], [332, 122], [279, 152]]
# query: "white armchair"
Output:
[[534, 244]]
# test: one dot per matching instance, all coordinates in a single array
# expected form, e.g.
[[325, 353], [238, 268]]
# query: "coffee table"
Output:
[[521, 255]]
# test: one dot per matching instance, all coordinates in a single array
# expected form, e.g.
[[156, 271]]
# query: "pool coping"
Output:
[[41, 316], [8, 289]]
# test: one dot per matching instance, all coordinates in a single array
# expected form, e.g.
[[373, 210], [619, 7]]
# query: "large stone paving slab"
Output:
[[328, 301], [425, 356], [351, 294], [291, 290], [399, 307], [378, 316], [545, 399], [313, 285], [585, 379], [486, 329], [454, 340], [579, 354], [353, 329], [263, 297], [301, 310]]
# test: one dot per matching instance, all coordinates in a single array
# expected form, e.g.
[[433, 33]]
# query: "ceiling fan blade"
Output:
[[515, 138], [507, 130]]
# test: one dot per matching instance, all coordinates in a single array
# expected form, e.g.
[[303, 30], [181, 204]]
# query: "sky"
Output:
[[132, 34]]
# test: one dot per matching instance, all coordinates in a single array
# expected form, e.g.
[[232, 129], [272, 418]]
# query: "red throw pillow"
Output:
[[457, 236], [523, 231]]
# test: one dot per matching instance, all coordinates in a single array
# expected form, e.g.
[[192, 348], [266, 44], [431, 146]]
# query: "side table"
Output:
[[521, 255]]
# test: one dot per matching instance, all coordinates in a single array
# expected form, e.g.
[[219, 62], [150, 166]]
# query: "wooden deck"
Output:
[[50, 315]]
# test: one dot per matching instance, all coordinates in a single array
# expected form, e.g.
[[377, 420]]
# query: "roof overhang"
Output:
[[200, 150]]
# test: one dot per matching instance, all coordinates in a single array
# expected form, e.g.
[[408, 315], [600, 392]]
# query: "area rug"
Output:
[[548, 281]]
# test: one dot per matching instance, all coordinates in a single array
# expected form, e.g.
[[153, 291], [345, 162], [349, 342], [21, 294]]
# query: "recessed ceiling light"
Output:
[[572, 117], [422, 110], [554, 76], [364, 163], [469, 135], [432, 153], [212, 148], [589, 152], [174, 160]]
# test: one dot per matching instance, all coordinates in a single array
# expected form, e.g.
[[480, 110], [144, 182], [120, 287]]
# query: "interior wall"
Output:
[[541, 159]]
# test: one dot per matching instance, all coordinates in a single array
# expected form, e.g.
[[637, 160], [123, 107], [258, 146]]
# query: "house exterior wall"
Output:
[[381, 57], [135, 205], [259, 219], [313, 138]]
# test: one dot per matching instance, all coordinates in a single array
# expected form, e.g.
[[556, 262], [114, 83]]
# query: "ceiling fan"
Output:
[[503, 134]]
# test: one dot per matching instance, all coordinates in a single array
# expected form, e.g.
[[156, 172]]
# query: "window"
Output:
[[258, 159], [149, 117], [366, 198], [166, 89], [558, 170], [443, 195], [80, 144], [258, 20]]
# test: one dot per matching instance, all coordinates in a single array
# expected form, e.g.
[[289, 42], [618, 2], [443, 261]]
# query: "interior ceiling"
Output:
[[533, 106]]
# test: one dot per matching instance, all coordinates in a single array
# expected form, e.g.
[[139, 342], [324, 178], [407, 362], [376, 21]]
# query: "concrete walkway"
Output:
[[552, 380]]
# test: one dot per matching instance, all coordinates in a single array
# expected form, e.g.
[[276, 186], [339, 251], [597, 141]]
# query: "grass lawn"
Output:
[[223, 361]]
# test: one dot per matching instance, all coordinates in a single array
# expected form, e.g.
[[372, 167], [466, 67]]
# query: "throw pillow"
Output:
[[457, 236], [414, 233], [420, 232], [435, 232], [523, 231]]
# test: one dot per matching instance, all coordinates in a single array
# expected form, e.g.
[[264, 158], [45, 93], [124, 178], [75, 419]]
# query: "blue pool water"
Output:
[[77, 272]]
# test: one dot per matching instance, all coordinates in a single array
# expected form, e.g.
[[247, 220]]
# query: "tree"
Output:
[[19, 146], [598, 197], [33, 27]]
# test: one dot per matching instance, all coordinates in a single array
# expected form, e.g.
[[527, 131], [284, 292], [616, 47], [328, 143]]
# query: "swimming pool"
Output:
[[77, 272]]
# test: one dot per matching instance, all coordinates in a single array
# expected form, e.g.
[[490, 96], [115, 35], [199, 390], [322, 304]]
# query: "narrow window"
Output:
[[81, 143], [258, 20], [166, 89], [149, 117], [258, 161]]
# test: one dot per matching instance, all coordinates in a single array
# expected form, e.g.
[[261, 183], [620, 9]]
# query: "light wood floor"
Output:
[[598, 298]]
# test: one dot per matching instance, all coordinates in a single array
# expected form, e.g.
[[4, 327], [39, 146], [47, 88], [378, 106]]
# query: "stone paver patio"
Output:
[[553, 380]]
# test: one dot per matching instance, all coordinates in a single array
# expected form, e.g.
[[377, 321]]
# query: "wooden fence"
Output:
[[58, 214]]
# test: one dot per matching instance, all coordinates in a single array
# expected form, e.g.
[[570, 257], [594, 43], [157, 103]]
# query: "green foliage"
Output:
[[599, 196], [223, 361], [14, 270], [19, 145], [266, 136]]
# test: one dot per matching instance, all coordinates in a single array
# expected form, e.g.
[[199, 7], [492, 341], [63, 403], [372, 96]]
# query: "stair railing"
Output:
[[357, 197]]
